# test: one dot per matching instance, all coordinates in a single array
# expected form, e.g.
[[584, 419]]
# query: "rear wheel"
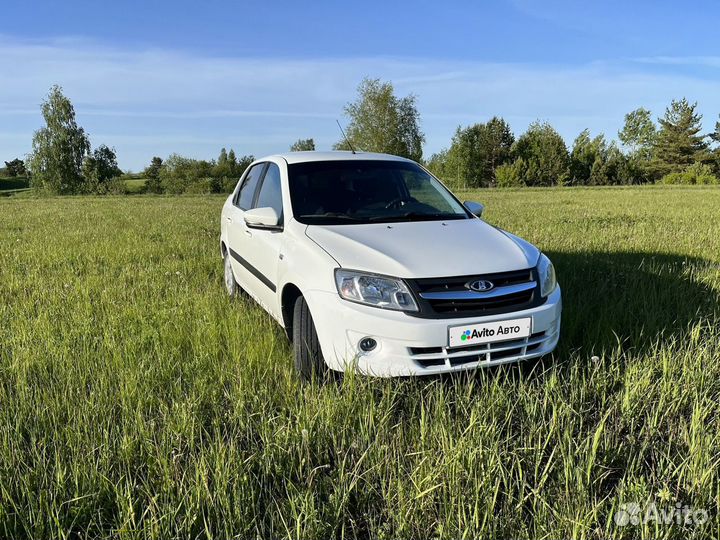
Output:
[[231, 285], [309, 360]]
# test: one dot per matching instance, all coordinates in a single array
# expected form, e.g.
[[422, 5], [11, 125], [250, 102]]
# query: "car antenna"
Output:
[[345, 136]]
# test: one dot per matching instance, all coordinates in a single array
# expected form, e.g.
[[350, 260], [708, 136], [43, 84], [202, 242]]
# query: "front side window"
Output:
[[249, 185], [368, 191], [270, 194]]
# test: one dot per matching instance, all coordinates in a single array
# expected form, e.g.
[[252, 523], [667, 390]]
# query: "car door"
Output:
[[238, 233], [263, 246]]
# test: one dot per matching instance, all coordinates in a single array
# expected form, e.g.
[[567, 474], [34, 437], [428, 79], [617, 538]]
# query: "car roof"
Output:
[[305, 157]]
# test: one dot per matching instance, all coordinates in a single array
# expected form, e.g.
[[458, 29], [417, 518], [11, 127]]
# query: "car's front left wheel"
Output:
[[231, 285], [309, 360]]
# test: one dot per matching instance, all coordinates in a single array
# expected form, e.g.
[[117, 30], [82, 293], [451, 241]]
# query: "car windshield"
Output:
[[368, 191]]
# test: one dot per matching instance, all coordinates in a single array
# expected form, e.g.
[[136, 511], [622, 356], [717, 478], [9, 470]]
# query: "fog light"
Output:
[[367, 344]]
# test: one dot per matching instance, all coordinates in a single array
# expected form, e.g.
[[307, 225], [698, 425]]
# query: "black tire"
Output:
[[231, 285], [309, 360]]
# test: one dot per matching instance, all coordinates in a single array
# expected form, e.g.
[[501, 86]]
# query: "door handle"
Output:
[[228, 219], [248, 232]]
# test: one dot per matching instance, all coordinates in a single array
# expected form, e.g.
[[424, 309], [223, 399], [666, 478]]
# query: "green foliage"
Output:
[[546, 161], [204, 186], [98, 169], [14, 185], [232, 159], [115, 186], [227, 185], [153, 185], [381, 122], [223, 168], [15, 168], [587, 160], [619, 169], [228, 170], [59, 148], [179, 174], [695, 174], [242, 164], [153, 170], [715, 135], [437, 164], [303, 145], [679, 142], [511, 174], [593, 162], [139, 402], [477, 150], [639, 133], [233, 164], [640, 136]]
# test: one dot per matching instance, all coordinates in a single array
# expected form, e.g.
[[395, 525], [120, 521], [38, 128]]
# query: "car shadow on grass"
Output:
[[631, 298]]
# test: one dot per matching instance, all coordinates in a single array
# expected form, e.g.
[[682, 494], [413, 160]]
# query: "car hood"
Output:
[[425, 248]]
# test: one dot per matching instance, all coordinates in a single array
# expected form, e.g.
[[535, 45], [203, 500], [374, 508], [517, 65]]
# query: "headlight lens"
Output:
[[546, 273], [373, 290]]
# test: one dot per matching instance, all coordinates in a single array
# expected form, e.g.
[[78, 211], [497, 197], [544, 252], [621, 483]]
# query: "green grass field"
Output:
[[137, 401]]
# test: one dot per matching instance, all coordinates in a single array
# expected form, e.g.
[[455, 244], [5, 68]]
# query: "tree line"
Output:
[[488, 154], [178, 174], [673, 150]]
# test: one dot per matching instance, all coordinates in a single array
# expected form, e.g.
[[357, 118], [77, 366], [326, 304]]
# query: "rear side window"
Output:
[[270, 192], [249, 185]]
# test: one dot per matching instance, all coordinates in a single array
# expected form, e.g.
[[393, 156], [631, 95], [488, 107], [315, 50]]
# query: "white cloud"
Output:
[[153, 102]]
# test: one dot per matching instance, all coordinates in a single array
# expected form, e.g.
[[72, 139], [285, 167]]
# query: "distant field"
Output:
[[16, 186], [139, 402], [135, 185]]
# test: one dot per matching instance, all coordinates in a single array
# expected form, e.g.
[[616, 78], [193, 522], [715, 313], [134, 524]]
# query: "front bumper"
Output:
[[409, 345]]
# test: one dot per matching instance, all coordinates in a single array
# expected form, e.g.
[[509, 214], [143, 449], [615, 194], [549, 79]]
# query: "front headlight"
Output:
[[373, 290], [546, 274]]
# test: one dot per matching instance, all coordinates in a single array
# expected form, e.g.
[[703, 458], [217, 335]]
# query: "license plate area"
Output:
[[477, 334]]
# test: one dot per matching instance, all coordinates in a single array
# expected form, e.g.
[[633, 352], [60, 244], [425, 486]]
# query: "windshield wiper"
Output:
[[418, 216], [331, 216]]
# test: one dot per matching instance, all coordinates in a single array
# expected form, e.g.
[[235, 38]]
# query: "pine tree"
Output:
[[679, 142], [222, 168], [153, 170], [715, 135], [232, 161]]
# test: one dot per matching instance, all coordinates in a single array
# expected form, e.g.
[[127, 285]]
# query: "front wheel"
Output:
[[309, 360]]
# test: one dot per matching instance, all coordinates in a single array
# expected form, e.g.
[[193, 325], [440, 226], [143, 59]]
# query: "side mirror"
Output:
[[474, 208], [262, 218]]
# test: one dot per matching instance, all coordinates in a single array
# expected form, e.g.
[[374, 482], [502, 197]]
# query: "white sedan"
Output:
[[370, 263]]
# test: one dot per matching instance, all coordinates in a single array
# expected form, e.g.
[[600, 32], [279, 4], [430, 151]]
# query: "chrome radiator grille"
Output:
[[449, 297]]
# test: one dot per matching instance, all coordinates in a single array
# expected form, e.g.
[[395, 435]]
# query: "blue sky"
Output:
[[155, 77]]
